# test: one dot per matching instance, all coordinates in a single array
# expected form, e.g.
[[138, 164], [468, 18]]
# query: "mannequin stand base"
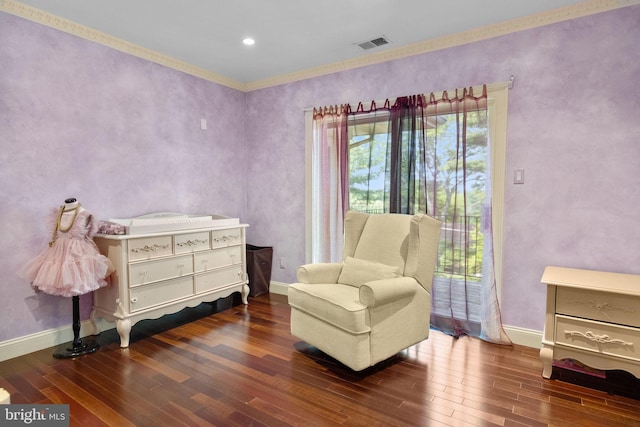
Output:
[[69, 350]]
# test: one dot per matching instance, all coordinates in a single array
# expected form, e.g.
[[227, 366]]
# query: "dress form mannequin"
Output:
[[68, 214], [70, 266]]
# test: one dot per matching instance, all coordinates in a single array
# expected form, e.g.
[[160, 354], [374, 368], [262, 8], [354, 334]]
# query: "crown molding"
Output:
[[53, 21], [588, 7]]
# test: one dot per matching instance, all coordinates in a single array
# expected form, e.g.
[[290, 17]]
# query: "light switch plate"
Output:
[[518, 176]]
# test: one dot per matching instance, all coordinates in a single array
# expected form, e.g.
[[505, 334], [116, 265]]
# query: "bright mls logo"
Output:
[[34, 415]]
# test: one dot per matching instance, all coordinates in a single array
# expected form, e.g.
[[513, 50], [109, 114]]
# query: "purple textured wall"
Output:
[[123, 136], [572, 125], [119, 133]]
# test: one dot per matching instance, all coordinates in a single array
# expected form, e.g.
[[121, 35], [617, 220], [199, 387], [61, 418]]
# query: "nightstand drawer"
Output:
[[606, 307], [155, 271], [603, 338], [150, 247], [217, 258]]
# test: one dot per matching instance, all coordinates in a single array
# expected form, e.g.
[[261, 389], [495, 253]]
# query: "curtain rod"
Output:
[[491, 87]]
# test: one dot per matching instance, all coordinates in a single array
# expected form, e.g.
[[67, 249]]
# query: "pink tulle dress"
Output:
[[72, 265]]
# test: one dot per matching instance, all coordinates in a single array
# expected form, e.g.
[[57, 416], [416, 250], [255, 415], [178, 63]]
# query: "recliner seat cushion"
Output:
[[333, 303]]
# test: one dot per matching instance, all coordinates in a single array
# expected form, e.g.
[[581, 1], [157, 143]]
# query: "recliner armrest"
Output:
[[319, 273], [380, 292]]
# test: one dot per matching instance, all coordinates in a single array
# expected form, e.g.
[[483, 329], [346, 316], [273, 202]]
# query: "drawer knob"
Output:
[[134, 300]]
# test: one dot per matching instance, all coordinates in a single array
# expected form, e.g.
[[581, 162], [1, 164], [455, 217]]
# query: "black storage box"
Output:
[[259, 260]]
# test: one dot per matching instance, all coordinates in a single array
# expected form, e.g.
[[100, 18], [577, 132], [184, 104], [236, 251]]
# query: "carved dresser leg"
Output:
[[546, 356], [123, 326]]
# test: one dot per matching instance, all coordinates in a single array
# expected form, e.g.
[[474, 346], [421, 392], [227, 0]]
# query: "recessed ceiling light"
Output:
[[248, 41]]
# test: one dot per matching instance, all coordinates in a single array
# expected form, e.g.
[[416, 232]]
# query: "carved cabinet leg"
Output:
[[123, 327], [245, 294], [546, 356]]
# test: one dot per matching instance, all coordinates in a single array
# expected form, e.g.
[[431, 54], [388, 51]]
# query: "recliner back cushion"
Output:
[[385, 239]]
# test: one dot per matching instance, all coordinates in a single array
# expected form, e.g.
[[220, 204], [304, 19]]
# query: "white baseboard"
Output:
[[53, 337], [279, 288], [50, 338], [526, 337]]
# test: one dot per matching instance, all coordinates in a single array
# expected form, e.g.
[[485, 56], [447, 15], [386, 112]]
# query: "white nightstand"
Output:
[[592, 317]]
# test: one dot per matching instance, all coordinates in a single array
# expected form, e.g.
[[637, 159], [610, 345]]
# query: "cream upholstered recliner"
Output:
[[375, 303]]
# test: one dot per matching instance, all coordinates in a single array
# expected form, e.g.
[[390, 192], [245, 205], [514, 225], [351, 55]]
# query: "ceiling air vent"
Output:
[[370, 44]]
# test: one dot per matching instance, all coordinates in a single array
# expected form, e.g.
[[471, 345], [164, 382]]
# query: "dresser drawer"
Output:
[[222, 238], [607, 307], [598, 337], [192, 242], [157, 270], [217, 279], [159, 293], [150, 247], [217, 258]]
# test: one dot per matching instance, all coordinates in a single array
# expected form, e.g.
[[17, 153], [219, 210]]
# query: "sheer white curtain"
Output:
[[329, 183], [459, 190]]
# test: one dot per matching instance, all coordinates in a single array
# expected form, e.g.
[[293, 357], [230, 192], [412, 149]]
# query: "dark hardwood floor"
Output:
[[241, 367]]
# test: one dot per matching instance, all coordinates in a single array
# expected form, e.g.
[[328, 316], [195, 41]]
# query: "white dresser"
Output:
[[162, 273], [592, 317]]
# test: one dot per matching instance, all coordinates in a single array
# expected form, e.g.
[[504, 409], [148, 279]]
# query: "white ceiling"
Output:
[[291, 35]]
